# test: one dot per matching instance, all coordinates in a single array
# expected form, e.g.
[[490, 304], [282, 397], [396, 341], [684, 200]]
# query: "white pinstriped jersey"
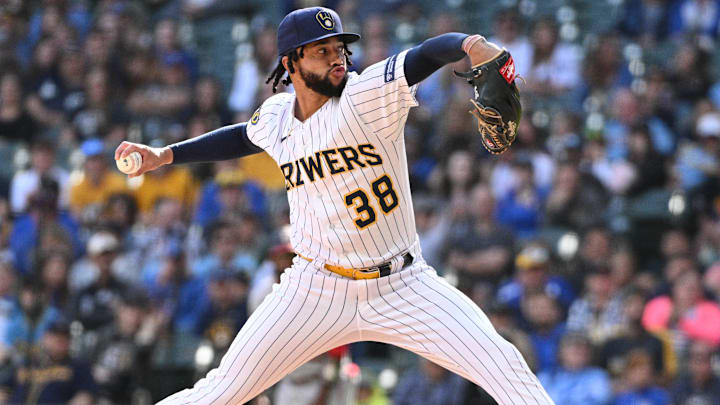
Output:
[[345, 167]]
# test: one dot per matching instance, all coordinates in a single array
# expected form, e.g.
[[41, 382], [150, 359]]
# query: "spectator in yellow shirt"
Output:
[[172, 182], [91, 188]]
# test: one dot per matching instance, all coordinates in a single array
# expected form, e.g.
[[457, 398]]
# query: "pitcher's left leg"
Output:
[[419, 311]]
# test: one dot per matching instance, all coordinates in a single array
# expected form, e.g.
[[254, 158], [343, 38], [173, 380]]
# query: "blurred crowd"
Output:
[[593, 244]]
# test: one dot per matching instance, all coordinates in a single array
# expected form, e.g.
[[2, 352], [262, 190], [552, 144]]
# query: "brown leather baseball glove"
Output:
[[497, 101]]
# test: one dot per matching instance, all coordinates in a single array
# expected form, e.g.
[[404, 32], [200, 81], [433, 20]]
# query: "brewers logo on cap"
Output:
[[325, 20]]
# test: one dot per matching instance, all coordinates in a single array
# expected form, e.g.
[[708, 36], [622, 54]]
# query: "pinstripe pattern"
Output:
[[282, 334], [356, 144], [312, 311], [370, 111], [415, 308]]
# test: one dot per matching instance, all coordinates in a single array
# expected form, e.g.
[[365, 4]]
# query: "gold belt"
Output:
[[381, 270]]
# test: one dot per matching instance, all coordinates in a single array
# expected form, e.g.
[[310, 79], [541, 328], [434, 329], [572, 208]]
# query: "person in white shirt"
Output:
[[27, 182]]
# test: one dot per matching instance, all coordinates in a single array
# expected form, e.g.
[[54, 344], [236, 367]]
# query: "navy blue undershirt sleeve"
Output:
[[423, 60], [224, 143]]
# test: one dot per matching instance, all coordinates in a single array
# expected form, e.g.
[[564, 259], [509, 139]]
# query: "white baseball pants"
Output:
[[313, 310]]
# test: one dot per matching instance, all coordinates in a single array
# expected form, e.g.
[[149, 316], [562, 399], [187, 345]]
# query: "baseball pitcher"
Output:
[[359, 273]]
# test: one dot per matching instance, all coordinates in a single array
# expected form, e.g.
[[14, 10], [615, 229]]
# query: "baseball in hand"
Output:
[[130, 163]]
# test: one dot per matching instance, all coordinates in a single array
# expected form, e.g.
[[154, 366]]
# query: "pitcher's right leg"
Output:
[[307, 314]]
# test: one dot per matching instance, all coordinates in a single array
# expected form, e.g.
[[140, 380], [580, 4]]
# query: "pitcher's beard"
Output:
[[322, 85]]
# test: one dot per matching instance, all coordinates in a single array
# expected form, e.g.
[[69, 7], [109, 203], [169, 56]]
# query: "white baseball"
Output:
[[130, 163]]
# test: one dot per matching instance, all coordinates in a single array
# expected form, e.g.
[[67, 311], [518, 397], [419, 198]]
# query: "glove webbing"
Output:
[[484, 115]]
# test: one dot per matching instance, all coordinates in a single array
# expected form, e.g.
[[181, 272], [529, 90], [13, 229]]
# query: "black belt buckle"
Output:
[[385, 269], [407, 259]]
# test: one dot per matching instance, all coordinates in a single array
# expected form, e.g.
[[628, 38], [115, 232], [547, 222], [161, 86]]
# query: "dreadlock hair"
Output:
[[293, 56]]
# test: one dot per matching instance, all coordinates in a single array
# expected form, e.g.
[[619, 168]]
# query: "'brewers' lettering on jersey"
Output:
[[311, 167], [345, 167]]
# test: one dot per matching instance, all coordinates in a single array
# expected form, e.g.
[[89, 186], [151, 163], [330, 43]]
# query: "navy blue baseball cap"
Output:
[[311, 24]]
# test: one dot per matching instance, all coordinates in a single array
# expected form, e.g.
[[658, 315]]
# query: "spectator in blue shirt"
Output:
[[40, 25], [50, 375], [30, 319], [532, 274], [696, 162], [429, 384], [168, 45], [521, 208], [180, 296], [43, 218], [545, 328], [575, 381], [226, 252], [638, 380], [8, 304], [646, 20], [226, 311], [694, 17], [229, 192], [699, 385]]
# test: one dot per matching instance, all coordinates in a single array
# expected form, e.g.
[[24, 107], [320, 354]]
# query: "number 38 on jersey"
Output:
[[383, 196]]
